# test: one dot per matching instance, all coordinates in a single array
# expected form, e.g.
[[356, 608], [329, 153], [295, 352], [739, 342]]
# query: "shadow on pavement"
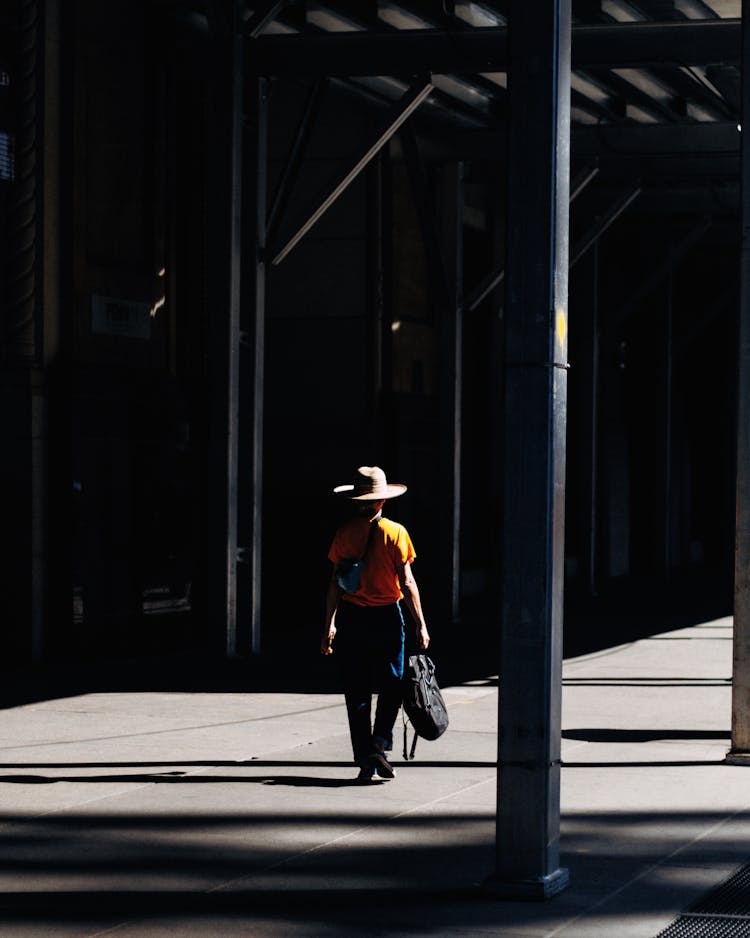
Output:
[[408, 882]]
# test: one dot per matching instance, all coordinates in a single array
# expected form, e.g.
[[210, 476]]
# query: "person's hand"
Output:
[[423, 638], [327, 641]]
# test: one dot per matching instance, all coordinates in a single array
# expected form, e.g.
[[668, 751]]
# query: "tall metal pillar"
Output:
[[34, 401], [587, 323], [536, 317], [224, 241], [666, 560], [740, 751], [451, 329], [252, 371]]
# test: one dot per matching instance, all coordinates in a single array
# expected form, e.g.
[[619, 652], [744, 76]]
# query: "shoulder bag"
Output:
[[423, 702]]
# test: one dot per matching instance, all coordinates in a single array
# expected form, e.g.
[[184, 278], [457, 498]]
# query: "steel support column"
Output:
[[444, 252], [586, 314], [532, 532], [740, 751], [665, 558], [252, 369], [451, 381], [224, 268]]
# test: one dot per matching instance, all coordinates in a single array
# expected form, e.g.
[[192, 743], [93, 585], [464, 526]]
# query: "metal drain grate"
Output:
[[730, 898], [707, 926], [722, 913]]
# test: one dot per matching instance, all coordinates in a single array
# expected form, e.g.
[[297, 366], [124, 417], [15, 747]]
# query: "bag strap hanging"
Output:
[[408, 753]]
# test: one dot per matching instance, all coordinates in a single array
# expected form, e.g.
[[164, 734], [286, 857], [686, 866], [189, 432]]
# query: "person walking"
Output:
[[366, 620]]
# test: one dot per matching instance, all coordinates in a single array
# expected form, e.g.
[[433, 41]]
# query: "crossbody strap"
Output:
[[373, 528]]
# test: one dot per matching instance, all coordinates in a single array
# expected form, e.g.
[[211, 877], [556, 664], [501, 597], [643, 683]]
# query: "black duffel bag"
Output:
[[423, 702]]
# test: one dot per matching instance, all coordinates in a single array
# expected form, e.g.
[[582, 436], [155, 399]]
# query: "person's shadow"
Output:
[[308, 781], [295, 781]]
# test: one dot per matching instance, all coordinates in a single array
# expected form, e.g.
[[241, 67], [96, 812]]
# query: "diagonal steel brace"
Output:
[[401, 112]]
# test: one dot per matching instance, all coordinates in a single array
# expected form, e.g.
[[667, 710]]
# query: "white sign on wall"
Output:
[[113, 316]]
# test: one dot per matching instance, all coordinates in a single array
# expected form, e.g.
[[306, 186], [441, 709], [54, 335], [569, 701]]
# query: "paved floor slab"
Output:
[[154, 814]]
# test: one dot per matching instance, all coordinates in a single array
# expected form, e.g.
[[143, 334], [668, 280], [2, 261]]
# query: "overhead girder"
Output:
[[715, 144], [414, 51], [700, 139]]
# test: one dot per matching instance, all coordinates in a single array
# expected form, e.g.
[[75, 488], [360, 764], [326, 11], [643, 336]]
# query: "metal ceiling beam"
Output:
[[607, 141], [414, 51], [680, 42], [657, 139], [356, 54], [224, 271]]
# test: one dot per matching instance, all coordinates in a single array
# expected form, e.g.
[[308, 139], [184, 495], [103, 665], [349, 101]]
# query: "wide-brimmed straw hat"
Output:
[[371, 485]]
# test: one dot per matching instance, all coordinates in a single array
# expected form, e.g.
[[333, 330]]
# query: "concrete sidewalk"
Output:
[[202, 814]]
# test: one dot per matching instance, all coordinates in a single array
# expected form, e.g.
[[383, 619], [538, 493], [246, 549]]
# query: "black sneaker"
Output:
[[380, 764]]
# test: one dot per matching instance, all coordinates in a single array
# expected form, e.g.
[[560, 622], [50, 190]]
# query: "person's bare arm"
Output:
[[413, 603], [329, 628]]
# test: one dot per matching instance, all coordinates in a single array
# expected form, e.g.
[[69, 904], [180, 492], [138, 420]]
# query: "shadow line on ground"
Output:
[[697, 683], [656, 764], [247, 763], [596, 735], [295, 781]]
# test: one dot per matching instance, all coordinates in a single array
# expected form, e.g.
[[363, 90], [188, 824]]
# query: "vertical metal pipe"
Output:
[[21, 326], [224, 254], [668, 420], [444, 255], [375, 199], [536, 318], [259, 240], [452, 378], [234, 273], [386, 423], [593, 432], [586, 312], [740, 750]]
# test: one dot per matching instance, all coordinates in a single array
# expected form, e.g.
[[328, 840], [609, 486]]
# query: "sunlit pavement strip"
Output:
[[243, 805]]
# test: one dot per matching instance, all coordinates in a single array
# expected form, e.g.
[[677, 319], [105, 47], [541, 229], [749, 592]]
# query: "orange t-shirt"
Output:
[[390, 548]]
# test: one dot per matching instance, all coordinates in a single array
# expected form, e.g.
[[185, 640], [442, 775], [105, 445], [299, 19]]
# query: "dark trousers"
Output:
[[370, 650]]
